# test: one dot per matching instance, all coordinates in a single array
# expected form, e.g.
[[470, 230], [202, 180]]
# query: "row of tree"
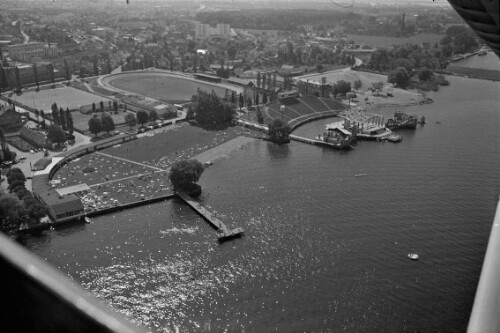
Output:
[[8, 155], [62, 118], [18, 206], [103, 123]]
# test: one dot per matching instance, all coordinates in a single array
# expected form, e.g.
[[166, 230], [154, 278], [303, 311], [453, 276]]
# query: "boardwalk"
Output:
[[223, 230]]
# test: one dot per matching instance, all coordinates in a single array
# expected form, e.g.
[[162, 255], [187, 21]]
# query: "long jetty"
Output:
[[223, 231]]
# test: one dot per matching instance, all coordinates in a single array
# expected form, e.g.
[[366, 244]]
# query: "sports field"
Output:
[[163, 86], [65, 97]]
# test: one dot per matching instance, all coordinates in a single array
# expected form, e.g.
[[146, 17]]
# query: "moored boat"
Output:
[[402, 120], [374, 133], [336, 136], [394, 138]]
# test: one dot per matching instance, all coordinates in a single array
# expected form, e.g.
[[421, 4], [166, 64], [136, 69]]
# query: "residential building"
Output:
[[202, 30], [25, 52], [223, 29]]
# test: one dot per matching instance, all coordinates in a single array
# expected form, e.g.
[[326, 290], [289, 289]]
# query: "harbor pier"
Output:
[[223, 231]]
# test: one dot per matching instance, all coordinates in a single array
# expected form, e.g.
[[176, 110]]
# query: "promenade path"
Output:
[[130, 161]]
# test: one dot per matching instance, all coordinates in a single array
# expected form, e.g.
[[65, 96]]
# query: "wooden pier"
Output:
[[314, 142], [223, 231]]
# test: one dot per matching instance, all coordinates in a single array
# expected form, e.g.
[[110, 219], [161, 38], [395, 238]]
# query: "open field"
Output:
[[380, 41], [182, 141], [400, 96], [163, 86], [65, 97], [345, 74]]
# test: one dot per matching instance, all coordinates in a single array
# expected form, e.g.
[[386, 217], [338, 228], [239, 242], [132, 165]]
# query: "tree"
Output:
[[35, 73], [107, 123], [12, 212], [257, 98], [130, 119], [402, 62], [95, 125], [69, 122], [42, 113], [62, 119], [241, 101], [115, 105], [55, 134], [55, 114], [260, 117], [399, 76], [153, 116], [184, 174], [35, 209], [95, 65], [37, 114], [259, 82], [67, 70], [343, 87], [279, 131], [210, 111], [249, 102], [378, 86], [425, 74], [15, 174], [142, 117], [264, 99], [93, 107], [358, 84], [101, 104]]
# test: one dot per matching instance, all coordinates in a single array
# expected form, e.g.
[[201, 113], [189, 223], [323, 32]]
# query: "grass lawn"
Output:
[[158, 151], [81, 121], [183, 141], [163, 86], [381, 41], [65, 97], [347, 75]]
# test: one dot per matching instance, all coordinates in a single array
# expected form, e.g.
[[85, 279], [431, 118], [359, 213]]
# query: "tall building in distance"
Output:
[[223, 29], [203, 30]]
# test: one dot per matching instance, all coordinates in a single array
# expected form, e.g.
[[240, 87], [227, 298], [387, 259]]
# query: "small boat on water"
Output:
[[413, 256], [394, 138], [422, 120], [360, 175]]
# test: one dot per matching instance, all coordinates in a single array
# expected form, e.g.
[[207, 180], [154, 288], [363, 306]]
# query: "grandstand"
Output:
[[299, 107]]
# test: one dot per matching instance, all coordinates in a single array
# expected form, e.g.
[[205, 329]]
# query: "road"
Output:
[[31, 159]]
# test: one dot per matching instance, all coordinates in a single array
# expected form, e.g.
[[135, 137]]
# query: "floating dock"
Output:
[[224, 233]]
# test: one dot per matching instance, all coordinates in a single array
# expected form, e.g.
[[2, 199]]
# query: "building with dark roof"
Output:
[[60, 207]]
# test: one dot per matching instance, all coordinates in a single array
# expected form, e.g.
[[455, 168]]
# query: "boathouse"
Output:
[[61, 206]]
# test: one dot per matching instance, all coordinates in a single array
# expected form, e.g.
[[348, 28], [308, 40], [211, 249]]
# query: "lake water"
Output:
[[324, 251], [488, 61]]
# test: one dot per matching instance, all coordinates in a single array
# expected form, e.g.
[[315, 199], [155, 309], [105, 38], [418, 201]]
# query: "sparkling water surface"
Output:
[[324, 250]]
